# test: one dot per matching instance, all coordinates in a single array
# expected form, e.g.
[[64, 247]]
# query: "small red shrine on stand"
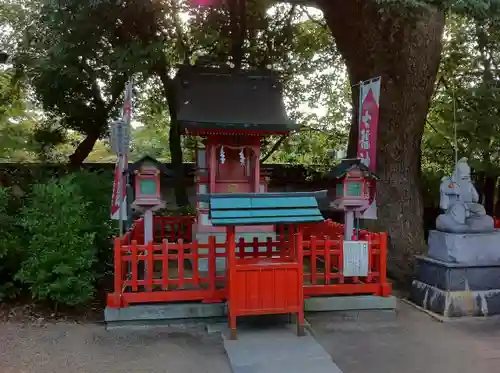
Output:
[[235, 252], [232, 111]]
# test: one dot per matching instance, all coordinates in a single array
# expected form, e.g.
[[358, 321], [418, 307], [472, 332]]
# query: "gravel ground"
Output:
[[413, 342], [63, 347]]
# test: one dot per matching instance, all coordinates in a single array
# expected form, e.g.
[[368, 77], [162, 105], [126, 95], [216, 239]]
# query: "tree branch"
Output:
[[274, 148], [450, 143], [94, 87], [312, 19], [116, 92], [185, 50], [238, 26]]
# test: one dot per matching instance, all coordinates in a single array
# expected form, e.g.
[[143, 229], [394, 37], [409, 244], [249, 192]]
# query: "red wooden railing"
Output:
[[165, 271], [171, 228], [323, 272]]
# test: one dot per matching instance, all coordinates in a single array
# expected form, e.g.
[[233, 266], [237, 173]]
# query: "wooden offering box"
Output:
[[272, 282]]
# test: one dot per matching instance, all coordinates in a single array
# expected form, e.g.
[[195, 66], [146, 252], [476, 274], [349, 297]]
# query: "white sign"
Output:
[[355, 258]]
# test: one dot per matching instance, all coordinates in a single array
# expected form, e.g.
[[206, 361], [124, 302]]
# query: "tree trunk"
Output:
[[83, 149], [405, 51], [174, 141]]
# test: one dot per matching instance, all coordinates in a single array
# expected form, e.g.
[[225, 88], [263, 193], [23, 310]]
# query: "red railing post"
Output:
[[371, 254], [314, 269], [133, 265], [299, 252], [212, 271], [180, 262], [241, 248], [118, 266], [164, 250], [194, 255], [385, 287], [328, 259], [341, 260], [114, 300]]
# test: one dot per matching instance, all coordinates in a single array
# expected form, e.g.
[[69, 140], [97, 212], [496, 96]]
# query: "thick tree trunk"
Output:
[[174, 141], [405, 52], [83, 149]]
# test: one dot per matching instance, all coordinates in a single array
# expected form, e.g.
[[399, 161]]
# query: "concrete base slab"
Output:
[[170, 312], [277, 349], [213, 312], [455, 303], [350, 303]]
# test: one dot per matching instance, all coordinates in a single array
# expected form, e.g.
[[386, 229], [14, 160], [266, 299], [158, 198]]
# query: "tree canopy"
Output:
[[438, 61]]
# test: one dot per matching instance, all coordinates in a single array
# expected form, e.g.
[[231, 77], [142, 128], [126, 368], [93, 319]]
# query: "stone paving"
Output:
[[277, 349], [411, 342]]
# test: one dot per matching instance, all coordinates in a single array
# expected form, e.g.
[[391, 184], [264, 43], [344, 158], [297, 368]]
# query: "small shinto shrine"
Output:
[[260, 252], [232, 112]]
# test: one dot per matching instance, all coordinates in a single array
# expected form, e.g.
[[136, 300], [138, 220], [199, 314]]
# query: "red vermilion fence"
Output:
[[166, 270], [171, 228]]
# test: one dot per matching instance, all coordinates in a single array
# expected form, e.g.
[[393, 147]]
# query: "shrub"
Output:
[[96, 189], [61, 251], [10, 245]]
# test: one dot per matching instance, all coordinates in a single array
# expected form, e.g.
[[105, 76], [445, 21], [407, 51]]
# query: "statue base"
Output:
[[466, 248], [454, 289]]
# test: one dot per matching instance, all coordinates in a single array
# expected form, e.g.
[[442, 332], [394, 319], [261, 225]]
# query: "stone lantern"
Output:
[[353, 192], [147, 196]]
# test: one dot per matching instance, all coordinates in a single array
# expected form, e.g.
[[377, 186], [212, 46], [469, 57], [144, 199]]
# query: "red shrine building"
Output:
[[261, 252], [231, 111]]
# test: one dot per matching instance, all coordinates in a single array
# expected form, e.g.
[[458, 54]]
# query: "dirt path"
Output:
[[375, 343], [76, 348], [413, 343]]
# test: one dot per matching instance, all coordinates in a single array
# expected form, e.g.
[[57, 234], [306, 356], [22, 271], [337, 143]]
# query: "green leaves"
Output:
[[61, 252]]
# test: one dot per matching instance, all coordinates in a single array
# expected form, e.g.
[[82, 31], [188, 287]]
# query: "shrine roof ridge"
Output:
[[228, 70], [319, 195], [147, 158], [346, 165], [228, 100]]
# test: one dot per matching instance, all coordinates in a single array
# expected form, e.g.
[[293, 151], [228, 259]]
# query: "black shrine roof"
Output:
[[228, 100], [148, 159], [347, 165]]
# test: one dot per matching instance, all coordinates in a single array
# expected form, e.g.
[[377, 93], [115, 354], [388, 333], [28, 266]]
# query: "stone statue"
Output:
[[459, 200]]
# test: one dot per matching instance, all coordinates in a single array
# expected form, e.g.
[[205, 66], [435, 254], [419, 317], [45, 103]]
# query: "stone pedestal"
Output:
[[460, 276], [472, 248]]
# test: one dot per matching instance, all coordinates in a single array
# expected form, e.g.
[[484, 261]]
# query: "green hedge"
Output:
[[56, 244]]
